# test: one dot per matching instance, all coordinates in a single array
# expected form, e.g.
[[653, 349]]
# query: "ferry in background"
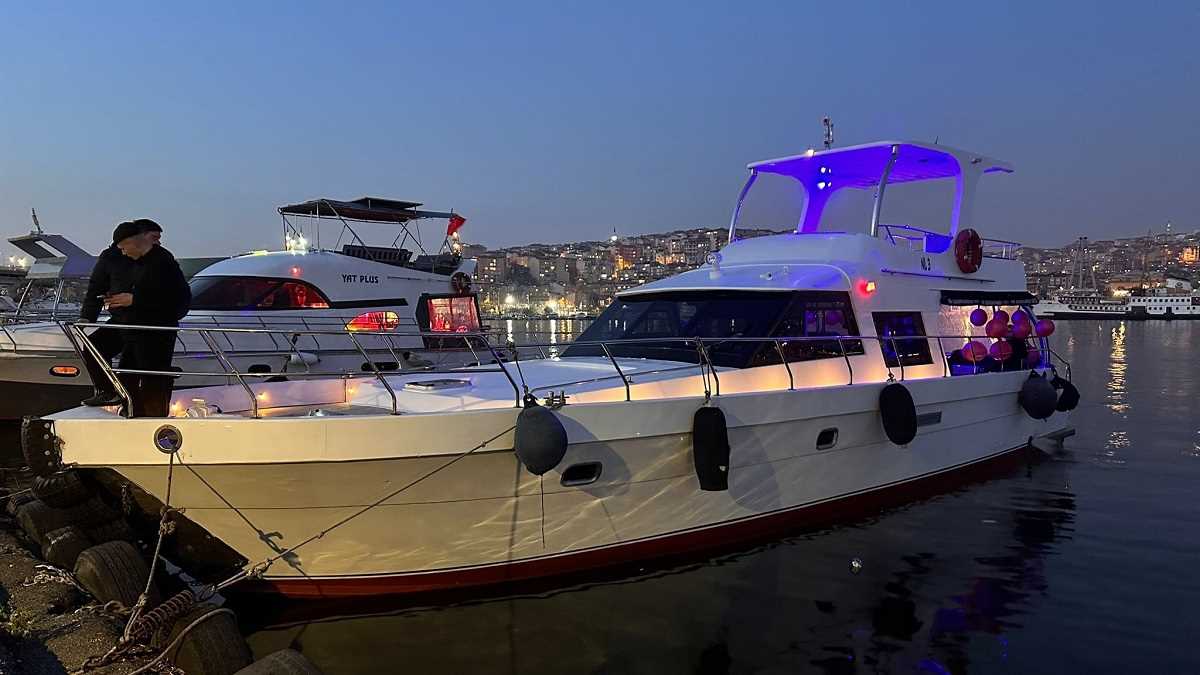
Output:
[[1178, 300]]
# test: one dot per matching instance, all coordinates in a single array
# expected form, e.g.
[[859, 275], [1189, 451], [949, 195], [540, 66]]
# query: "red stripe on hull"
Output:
[[714, 538]]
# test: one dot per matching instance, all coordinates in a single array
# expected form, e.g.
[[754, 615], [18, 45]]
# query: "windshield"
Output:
[[721, 314], [254, 293]]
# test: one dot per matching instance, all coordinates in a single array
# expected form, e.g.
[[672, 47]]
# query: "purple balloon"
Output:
[[974, 351], [1001, 350], [1021, 329], [1044, 328], [1001, 316], [996, 328], [1020, 316], [978, 316]]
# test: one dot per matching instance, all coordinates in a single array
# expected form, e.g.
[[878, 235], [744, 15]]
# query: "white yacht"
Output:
[[362, 307], [791, 378]]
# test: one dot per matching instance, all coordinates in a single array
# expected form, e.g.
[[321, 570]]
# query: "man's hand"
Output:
[[119, 300]]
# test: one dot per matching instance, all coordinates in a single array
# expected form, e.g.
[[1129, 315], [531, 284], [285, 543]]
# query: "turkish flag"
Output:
[[456, 221]]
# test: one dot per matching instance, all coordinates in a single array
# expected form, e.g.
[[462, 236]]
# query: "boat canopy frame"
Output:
[[822, 173], [362, 210]]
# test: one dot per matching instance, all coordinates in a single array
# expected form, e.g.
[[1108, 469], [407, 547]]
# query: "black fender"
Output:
[[898, 413], [710, 448]]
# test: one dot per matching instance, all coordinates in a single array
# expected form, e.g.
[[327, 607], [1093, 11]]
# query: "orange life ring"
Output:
[[968, 251]]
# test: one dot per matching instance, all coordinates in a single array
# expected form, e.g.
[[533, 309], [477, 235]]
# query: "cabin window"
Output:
[[816, 315], [255, 293], [453, 315], [911, 352], [716, 315]]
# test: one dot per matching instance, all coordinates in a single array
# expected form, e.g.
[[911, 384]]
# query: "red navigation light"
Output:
[[866, 287], [295, 271], [374, 322]]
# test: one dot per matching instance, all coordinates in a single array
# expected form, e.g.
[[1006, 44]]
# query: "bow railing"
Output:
[[709, 353]]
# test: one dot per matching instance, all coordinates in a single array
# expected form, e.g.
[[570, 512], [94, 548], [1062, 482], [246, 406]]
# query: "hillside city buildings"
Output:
[[583, 277]]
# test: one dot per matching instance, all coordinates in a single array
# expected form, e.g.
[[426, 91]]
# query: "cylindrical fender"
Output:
[[710, 448], [1068, 394], [1038, 397], [898, 413], [540, 440]]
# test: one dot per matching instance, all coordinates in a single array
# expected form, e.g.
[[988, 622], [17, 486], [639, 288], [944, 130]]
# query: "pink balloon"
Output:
[[996, 328], [974, 351], [1021, 329], [1001, 316], [1001, 350], [978, 316], [1044, 327], [1033, 358], [1020, 316]]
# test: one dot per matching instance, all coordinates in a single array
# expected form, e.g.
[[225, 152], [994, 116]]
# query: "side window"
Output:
[[256, 293], [811, 315], [899, 325]]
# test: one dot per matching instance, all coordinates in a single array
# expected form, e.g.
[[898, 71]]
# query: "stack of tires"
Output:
[[64, 514]]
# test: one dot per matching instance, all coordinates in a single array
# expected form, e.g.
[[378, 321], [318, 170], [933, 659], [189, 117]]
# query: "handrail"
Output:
[[703, 347]]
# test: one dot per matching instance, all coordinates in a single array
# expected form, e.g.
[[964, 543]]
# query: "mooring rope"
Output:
[[258, 569]]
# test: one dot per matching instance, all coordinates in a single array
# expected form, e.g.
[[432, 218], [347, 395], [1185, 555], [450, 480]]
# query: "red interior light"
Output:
[[374, 322]]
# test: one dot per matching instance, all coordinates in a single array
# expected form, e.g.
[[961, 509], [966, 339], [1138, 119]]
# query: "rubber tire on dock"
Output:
[[61, 490], [15, 502], [63, 546], [113, 530], [214, 646], [282, 662], [115, 571], [38, 519]]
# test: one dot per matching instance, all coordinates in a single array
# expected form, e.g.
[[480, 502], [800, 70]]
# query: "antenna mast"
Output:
[[828, 124], [36, 225]]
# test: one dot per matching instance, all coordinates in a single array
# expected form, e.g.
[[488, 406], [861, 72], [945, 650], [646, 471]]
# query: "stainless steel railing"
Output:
[[847, 346]]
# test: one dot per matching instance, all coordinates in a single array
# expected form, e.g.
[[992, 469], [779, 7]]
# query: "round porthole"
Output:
[[168, 439]]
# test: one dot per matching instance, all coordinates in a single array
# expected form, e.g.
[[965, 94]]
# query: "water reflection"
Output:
[[1116, 393]]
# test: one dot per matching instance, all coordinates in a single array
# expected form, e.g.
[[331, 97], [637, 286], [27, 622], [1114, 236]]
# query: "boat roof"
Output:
[[861, 166], [365, 209], [54, 256]]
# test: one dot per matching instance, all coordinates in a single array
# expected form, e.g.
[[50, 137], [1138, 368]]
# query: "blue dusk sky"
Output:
[[558, 121]]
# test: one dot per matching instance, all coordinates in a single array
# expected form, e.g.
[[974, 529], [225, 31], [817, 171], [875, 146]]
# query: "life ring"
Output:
[[460, 282], [968, 251]]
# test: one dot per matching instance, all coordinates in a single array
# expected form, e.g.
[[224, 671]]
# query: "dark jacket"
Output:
[[161, 296], [113, 273]]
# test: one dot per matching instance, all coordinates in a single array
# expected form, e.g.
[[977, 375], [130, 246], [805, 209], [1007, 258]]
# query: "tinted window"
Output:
[[814, 314], [715, 315], [902, 324], [255, 293]]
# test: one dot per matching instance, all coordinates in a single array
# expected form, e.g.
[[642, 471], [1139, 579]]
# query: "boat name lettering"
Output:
[[360, 278]]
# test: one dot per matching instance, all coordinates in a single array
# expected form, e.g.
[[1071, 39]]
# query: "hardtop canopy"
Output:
[[364, 209], [862, 166]]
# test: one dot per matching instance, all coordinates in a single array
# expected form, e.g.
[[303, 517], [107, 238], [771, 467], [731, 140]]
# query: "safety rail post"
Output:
[[378, 374], [899, 357], [944, 358], [712, 369], [786, 365], [76, 335], [230, 369], [617, 366], [500, 364], [846, 357]]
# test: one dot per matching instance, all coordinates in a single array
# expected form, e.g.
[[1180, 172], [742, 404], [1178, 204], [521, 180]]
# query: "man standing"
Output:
[[158, 296], [111, 275]]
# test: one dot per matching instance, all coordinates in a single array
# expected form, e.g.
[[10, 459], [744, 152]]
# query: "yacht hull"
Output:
[[480, 518]]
